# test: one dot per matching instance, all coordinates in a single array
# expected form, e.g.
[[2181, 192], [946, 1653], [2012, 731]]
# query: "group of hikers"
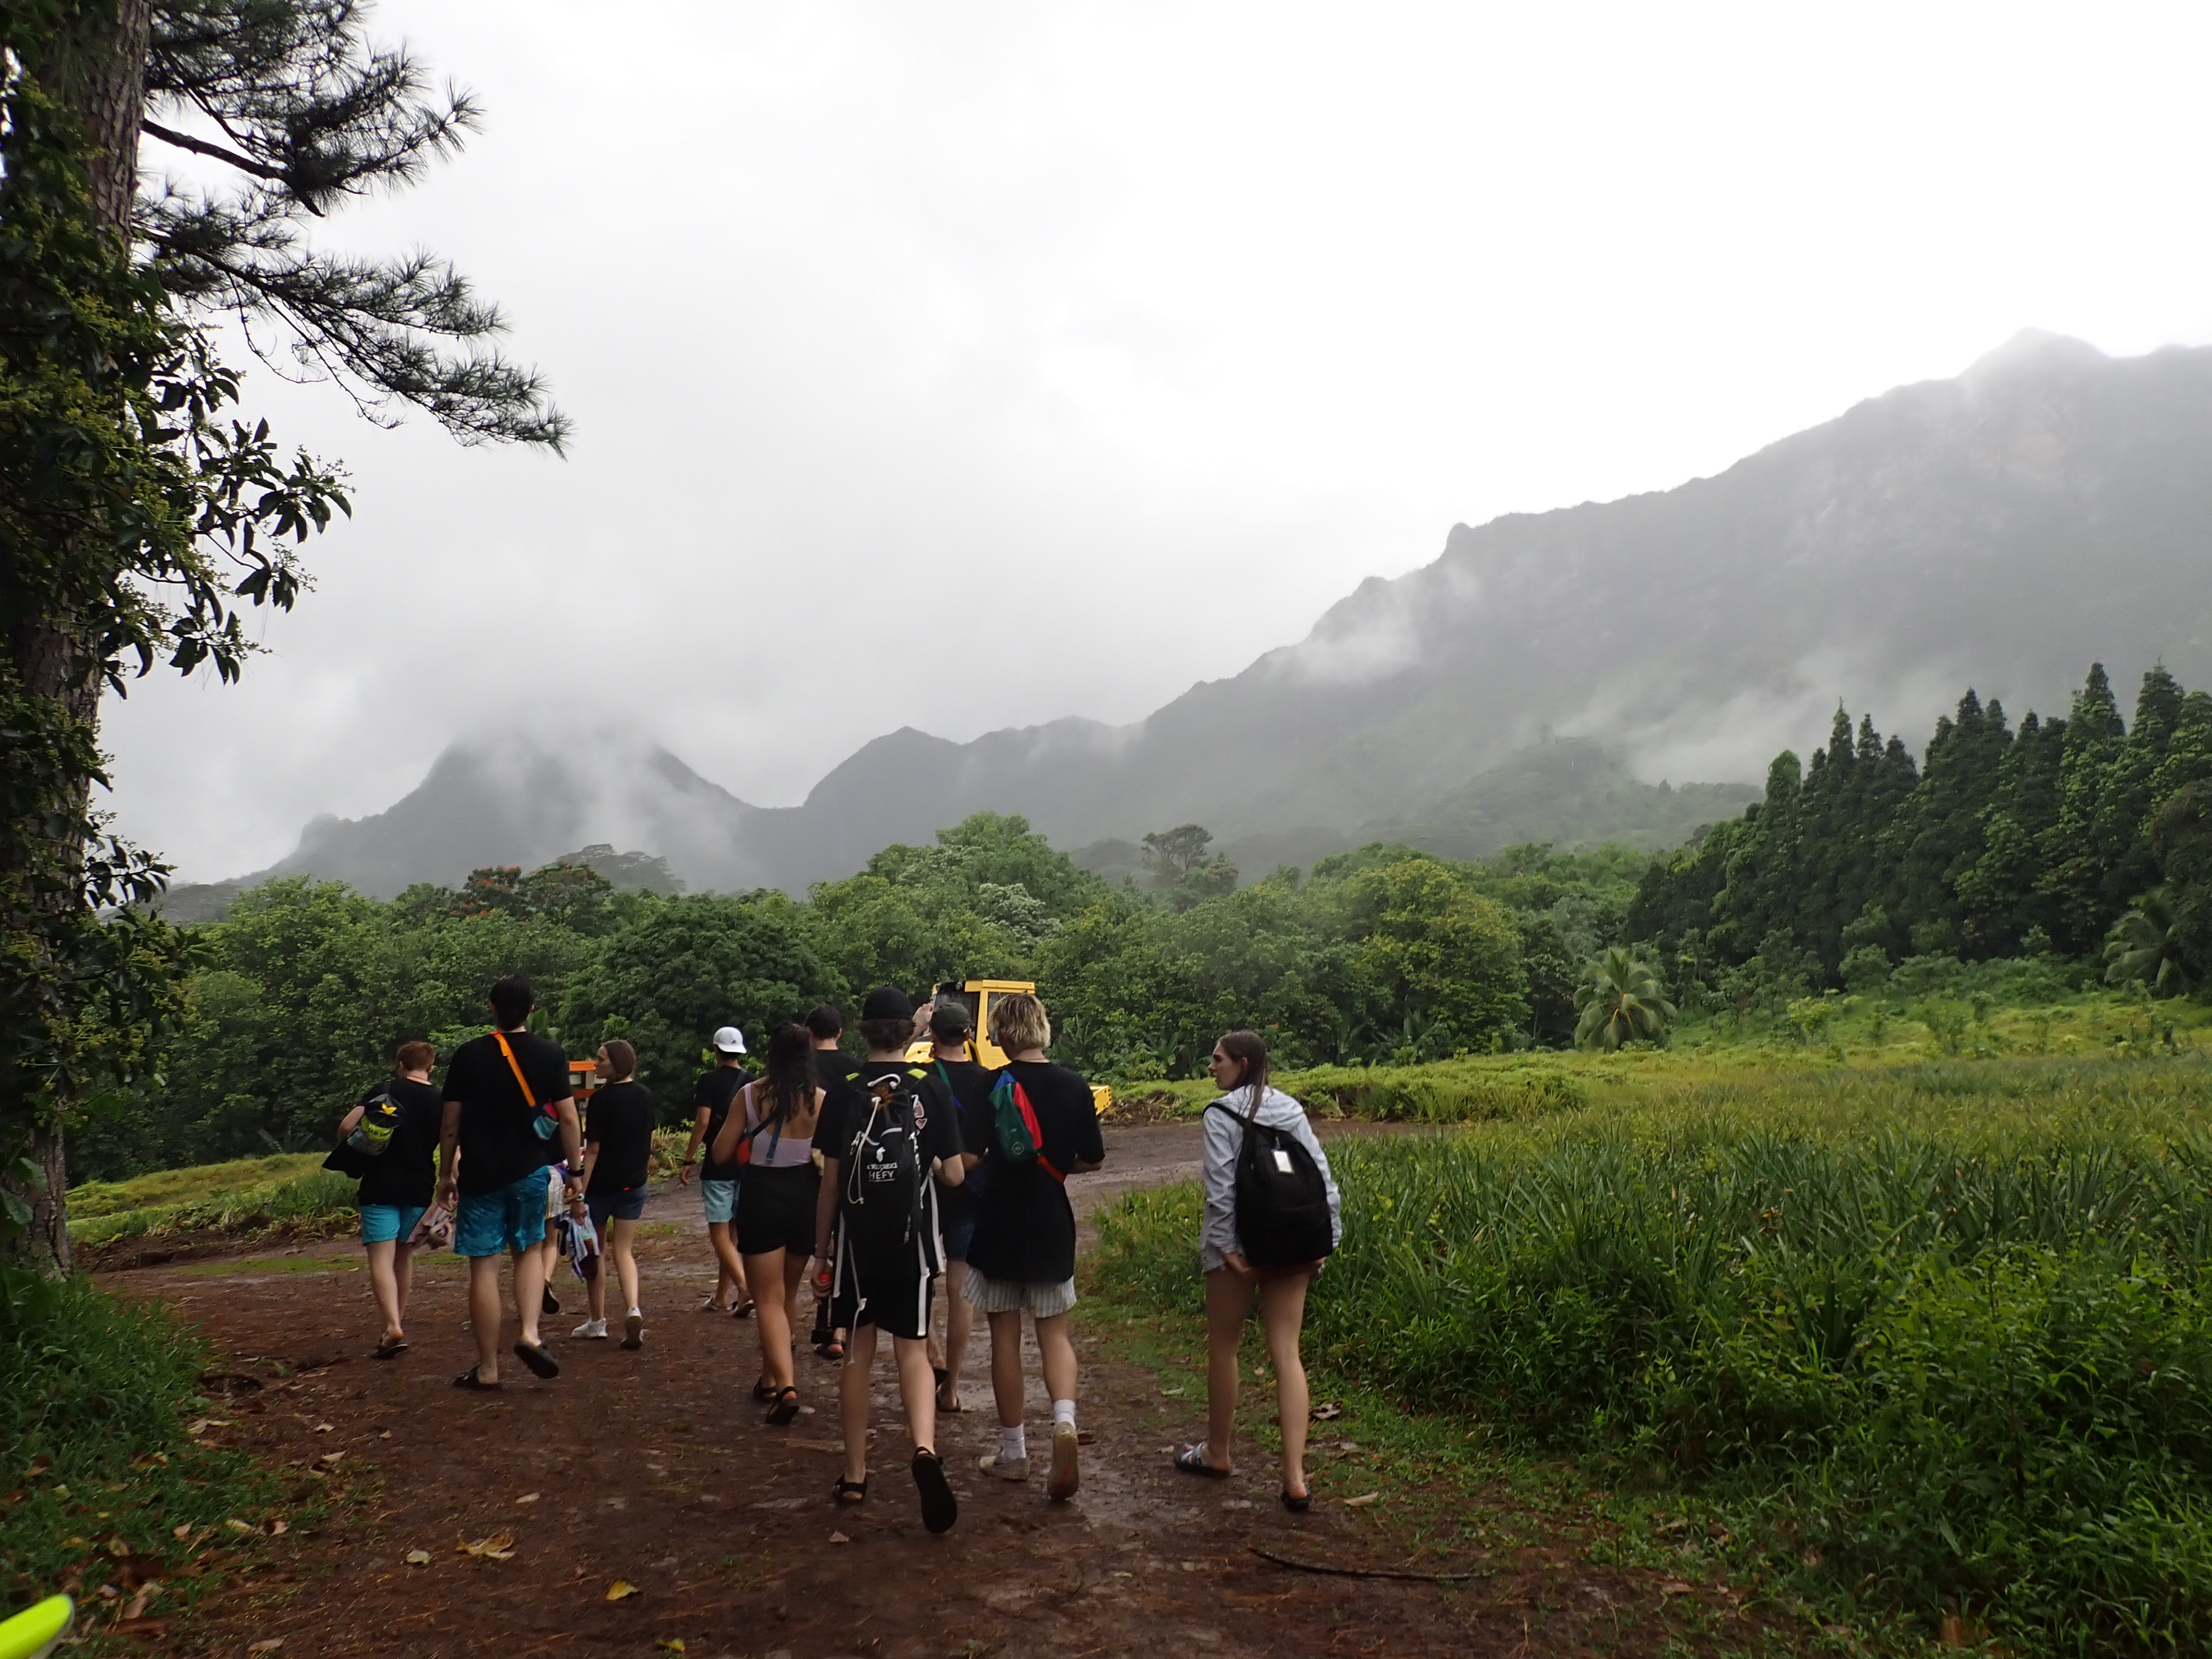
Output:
[[885, 1175]]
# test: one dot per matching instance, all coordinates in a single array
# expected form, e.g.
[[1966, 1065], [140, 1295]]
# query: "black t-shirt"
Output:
[[937, 1117], [498, 1144], [971, 1091], [620, 1122], [712, 1094], [1024, 1226], [407, 1169]]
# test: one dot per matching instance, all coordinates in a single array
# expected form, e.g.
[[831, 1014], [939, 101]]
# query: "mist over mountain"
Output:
[[2001, 529]]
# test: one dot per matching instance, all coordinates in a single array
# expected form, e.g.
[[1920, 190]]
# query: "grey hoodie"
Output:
[[1223, 1137]]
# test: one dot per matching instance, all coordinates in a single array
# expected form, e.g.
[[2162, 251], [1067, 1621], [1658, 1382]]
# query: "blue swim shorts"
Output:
[[509, 1218], [389, 1223], [720, 1197]]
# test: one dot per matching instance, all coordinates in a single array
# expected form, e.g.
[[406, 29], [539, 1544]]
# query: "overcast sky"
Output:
[[966, 366]]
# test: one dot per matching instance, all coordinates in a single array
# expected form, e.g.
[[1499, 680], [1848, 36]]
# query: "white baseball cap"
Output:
[[730, 1040]]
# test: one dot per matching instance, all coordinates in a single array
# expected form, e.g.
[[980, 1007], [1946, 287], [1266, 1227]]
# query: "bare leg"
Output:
[[595, 1287], [625, 1234], [529, 1290], [1227, 1300], [1006, 1367], [917, 1388], [959, 1325], [484, 1314], [852, 1381], [1057, 1350], [1282, 1316], [403, 1280], [774, 1318], [385, 1286], [730, 1271]]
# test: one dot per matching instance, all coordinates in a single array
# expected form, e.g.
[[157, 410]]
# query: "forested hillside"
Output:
[[1386, 955], [2036, 840]]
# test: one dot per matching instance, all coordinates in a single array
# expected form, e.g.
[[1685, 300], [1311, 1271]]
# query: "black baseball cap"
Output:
[[887, 1002]]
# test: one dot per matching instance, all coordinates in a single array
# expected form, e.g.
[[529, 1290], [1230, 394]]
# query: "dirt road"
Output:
[[654, 1469]]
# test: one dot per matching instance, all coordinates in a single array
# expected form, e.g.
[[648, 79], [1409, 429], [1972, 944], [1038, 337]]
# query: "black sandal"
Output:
[[786, 1407], [1191, 1460], [939, 1508], [1296, 1503], [851, 1492], [469, 1379], [743, 1309], [763, 1391], [538, 1358], [391, 1348]]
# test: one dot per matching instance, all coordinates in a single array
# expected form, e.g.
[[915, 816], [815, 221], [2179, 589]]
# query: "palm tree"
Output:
[[1622, 1001], [2145, 944]]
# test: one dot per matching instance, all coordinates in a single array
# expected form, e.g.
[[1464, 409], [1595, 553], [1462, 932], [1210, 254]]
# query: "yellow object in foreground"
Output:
[[32, 1635], [988, 1055]]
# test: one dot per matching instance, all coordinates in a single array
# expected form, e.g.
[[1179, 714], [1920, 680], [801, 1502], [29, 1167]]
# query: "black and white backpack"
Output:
[[886, 1172], [1282, 1218]]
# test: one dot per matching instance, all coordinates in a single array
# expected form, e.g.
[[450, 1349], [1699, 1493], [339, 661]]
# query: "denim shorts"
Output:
[[958, 1232], [720, 1197], [389, 1223], [627, 1206], [509, 1218]]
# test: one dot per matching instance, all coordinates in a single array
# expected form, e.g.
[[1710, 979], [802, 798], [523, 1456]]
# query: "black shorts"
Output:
[[893, 1294], [776, 1209]]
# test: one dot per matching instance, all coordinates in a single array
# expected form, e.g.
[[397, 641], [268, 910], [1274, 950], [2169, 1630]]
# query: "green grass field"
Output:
[[1937, 1334]]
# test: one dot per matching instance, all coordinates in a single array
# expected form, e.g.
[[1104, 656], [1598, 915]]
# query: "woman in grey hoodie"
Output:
[[1240, 1071]]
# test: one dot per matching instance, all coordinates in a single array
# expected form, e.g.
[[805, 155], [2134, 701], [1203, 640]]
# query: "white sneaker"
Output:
[[1006, 1469], [1064, 1476], [595, 1328], [633, 1329]]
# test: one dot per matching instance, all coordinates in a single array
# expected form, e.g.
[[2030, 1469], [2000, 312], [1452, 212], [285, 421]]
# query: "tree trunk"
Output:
[[97, 69]]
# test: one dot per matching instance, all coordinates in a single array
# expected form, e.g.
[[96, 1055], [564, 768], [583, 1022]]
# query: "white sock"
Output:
[[635, 1311], [1013, 1444], [1063, 1411]]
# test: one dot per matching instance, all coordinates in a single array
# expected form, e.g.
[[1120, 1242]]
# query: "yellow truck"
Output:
[[986, 1053]]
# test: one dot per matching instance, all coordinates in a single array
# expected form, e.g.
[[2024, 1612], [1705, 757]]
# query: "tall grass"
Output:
[[1946, 1331], [316, 1200]]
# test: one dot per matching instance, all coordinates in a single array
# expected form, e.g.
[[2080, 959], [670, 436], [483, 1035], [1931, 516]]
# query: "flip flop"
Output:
[[390, 1347], [469, 1379], [939, 1508], [538, 1358], [1297, 1503], [763, 1391], [831, 1351], [852, 1493], [1191, 1460], [786, 1407], [743, 1309]]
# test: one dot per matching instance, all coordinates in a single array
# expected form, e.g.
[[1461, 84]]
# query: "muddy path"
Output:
[[654, 1469]]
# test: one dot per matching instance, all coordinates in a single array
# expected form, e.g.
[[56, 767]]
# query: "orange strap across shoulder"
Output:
[[529, 1098]]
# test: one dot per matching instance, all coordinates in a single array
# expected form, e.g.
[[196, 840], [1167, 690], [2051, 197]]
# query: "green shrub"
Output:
[[95, 1461], [316, 1199], [1950, 1340]]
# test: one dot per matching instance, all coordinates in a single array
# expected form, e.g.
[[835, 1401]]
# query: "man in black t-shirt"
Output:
[[396, 1186], [834, 1070], [888, 1256], [718, 1183], [499, 1089], [952, 1035]]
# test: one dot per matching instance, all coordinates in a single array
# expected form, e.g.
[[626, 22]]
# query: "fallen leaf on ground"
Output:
[[333, 1457], [839, 1538], [620, 1589], [184, 1531], [1362, 1501], [240, 1525], [268, 1645], [527, 1498], [1676, 1587], [147, 1592], [1328, 1413], [278, 1529], [325, 1428], [118, 1548], [671, 1644], [418, 1558], [500, 1547]]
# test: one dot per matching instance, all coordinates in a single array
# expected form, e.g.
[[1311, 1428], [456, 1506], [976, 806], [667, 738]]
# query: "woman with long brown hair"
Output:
[[1239, 1065], [618, 1125], [770, 1132]]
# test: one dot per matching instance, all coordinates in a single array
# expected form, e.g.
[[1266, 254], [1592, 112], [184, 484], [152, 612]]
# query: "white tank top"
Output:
[[772, 1148]]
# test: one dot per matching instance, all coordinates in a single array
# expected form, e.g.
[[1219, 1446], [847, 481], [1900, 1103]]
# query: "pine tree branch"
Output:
[[217, 152]]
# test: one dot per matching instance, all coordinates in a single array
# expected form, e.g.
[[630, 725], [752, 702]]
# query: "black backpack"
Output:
[[1283, 1216], [885, 1173]]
